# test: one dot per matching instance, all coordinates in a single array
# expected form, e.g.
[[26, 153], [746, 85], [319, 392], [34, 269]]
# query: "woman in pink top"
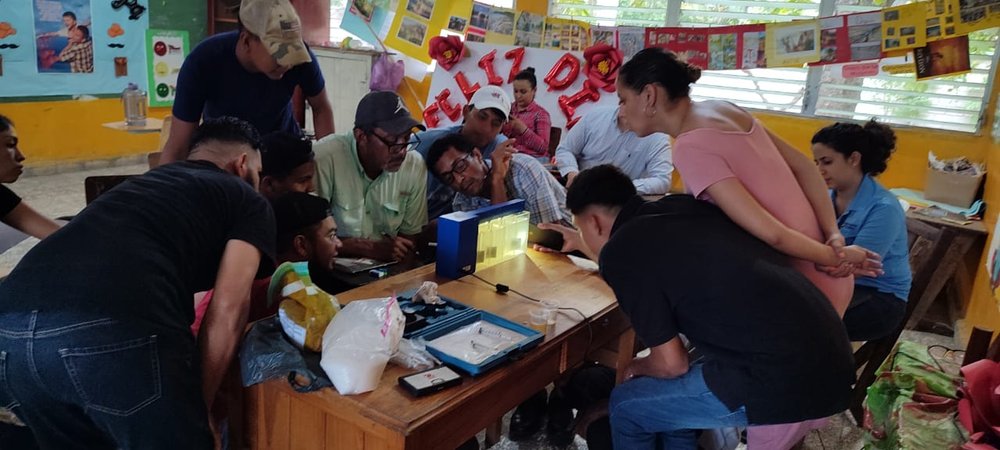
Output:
[[761, 182], [529, 123]]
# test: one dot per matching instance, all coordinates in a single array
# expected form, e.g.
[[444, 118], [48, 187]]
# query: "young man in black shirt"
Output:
[[774, 349], [95, 345]]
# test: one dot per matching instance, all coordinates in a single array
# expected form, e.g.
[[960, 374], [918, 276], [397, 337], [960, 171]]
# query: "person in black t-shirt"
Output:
[[774, 349], [13, 211], [95, 345]]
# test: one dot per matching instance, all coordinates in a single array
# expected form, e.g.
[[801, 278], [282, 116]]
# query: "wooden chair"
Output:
[[924, 256], [153, 159], [555, 133], [94, 186]]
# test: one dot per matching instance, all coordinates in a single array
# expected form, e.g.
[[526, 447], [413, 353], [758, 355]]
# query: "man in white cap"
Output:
[[251, 74], [376, 186], [483, 117]]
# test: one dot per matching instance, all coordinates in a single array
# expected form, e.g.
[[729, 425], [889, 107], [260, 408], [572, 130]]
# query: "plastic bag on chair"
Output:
[[386, 74], [359, 342]]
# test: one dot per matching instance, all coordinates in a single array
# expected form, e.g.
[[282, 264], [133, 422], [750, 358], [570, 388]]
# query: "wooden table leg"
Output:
[[957, 246], [494, 432]]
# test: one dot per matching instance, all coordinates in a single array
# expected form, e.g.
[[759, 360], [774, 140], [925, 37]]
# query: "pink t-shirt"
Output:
[[706, 156]]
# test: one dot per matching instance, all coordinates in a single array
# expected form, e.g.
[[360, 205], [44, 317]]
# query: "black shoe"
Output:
[[471, 444], [561, 424], [599, 434], [528, 418]]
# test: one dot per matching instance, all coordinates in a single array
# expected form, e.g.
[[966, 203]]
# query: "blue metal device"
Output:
[[458, 234]]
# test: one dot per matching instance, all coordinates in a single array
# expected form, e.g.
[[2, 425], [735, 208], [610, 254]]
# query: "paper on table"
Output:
[[583, 263]]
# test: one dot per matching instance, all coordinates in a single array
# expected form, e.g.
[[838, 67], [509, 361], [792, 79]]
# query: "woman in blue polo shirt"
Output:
[[849, 156]]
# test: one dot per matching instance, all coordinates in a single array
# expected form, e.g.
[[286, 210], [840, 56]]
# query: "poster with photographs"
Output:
[[904, 27], [412, 30], [604, 35], [457, 24], [530, 30], [363, 9], [792, 44], [864, 33], [945, 57], [753, 49], [565, 34], [689, 44], [480, 17], [421, 8], [631, 40], [500, 26], [475, 35], [974, 15], [722, 51], [64, 39], [413, 25]]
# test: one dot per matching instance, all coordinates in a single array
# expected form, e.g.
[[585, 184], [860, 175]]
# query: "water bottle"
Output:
[[134, 100]]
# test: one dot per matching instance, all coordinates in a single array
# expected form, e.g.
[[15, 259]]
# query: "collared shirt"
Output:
[[391, 204], [597, 140], [534, 141], [80, 57], [440, 196], [770, 338], [527, 179], [876, 221]]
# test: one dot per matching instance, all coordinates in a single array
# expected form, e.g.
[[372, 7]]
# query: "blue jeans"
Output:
[[656, 413], [88, 382]]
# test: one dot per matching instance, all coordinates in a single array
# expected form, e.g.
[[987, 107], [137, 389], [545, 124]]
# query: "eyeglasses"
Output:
[[457, 167], [394, 146]]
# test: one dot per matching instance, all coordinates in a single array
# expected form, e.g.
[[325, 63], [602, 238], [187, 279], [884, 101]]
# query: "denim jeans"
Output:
[[656, 413], [80, 381]]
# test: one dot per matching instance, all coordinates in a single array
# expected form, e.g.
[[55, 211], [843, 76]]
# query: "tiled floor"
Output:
[[61, 194]]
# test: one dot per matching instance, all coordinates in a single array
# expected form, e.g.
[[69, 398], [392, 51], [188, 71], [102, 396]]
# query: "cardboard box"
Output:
[[951, 188]]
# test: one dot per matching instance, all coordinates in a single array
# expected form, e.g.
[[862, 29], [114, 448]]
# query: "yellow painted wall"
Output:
[[70, 130]]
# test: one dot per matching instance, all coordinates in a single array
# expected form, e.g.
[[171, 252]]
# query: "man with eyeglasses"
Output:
[[506, 175], [377, 189], [482, 120]]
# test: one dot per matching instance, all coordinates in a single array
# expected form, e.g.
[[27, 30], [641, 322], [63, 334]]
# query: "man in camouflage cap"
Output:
[[250, 74]]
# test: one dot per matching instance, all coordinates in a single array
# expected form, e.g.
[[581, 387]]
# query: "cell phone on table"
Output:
[[431, 380]]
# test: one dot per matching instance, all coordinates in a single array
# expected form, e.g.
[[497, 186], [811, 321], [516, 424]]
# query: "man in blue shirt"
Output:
[[483, 117], [250, 74]]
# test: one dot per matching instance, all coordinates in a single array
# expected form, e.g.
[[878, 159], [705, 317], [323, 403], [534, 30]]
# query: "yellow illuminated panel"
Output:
[[501, 238]]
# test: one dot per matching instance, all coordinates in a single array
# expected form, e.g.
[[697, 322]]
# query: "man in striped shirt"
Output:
[[79, 53]]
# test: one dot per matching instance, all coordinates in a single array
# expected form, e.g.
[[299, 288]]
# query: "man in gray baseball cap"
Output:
[[376, 186]]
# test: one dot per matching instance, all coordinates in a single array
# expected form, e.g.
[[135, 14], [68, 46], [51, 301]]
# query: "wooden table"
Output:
[[958, 239], [153, 125], [389, 418]]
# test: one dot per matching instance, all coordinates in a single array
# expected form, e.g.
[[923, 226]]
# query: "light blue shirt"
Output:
[[439, 196], [875, 220], [596, 139]]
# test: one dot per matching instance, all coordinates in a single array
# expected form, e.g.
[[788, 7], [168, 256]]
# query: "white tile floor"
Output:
[[60, 193]]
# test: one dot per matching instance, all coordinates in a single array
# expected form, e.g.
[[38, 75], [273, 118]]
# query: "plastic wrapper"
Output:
[[359, 342], [266, 353], [386, 74], [428, 293], [960, 165], [413, 354], [305, 310]]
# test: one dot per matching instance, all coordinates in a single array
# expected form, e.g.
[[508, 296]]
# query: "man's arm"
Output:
[[25, 219], [570, 148], [667, 360], [226, 317], [322, 114], [388, 248], [656, 178], [179, 142]]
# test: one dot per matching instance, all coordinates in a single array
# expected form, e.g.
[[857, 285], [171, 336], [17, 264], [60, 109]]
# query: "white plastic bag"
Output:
[[359, 342]]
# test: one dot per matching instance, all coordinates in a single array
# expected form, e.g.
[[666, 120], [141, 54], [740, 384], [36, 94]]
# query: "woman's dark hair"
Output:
[[5, 123], [874, 141], [527, 75], [655, 65], [85, 31]]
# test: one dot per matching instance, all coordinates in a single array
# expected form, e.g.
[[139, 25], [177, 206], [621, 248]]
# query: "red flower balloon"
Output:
[[463, 84], [486, 63], [517, 54], [447, 50], [602, 65], [567, 61], [452, 111]]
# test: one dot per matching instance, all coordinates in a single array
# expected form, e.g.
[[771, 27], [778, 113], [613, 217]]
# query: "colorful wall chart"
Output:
[[166, 52], [71, 47]]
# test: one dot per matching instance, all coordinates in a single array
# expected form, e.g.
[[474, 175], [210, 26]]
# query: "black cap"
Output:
[[283, 152], [297, 210], [385, 110]]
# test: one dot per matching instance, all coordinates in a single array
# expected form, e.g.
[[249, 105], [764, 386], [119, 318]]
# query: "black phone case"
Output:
[[430, 389]]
